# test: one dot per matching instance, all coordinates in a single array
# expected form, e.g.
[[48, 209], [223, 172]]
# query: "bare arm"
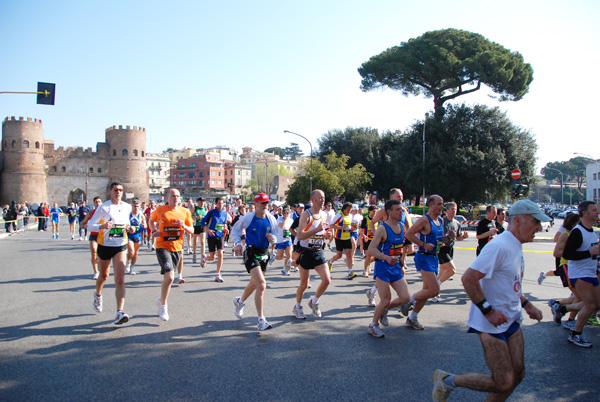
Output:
[[418, 227], [560, 245]]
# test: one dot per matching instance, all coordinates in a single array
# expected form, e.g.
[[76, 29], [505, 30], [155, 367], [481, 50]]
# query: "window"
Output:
[[63, 169], [201, 183], [25, 144], [219, 173], [182, 166], [142, 154], [124, 152], [54, 168], [182, 183], [595, 193], [200, 174], [192, 166], [99, 170], [220, 182], [91, 170], [135, 152], [14, 143], [594, 176], [191, 182], [191, 174], [37, 145], [114, 152]]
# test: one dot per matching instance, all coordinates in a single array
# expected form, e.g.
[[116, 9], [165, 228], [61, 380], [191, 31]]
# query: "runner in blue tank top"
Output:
[[427, 233], [387, 247]]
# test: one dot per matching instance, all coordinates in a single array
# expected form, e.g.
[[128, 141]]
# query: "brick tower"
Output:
[[127, 159]]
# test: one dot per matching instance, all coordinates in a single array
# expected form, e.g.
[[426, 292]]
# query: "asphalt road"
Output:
[[54, 347]]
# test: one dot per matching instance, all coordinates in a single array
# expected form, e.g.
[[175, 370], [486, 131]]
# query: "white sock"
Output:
[[413, 315], [412, 299], [374, 290], [315, 300], [298, 305]]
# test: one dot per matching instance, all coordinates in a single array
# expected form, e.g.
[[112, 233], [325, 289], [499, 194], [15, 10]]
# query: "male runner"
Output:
[[387, 247], [215, 222], [167, 225], [259, 227], [93, 236], [147, 213], [342, 224], [487, 228], [81, 213], [430, 231], [197, 215], [72, 217], [494, 285], [137, 222], [111, 221], [312, 232]]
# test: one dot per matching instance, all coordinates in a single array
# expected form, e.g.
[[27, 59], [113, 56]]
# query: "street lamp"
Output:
[[562, 198], [311, 155], [424, 125]]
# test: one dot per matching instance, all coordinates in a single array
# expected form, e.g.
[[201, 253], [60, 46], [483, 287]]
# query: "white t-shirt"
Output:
[[330, 215], [356, 220], [118, 214], [281, 232], [501, 260]]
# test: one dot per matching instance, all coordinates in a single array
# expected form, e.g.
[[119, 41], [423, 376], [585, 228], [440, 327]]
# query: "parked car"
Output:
[[555, 212], [568, 211]]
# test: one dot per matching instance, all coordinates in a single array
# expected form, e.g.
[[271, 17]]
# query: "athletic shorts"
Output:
[[445, 255], [55, 221], [93, 237], [562, 272], [107, 253], [343, 244], [254, 257], [136, 239], [284, 244], [514, 327], [296, 248], [198, 229], [428, 263], [594, 281], [215, 243], [387, 273], [367, 244], [72, 221], [309, 258], [168, 260], [354, 235]]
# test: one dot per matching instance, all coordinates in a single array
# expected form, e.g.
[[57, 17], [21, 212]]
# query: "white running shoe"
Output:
[[194, 259], [163, 311], [315, 308], [284, 272], [128, 267], [121, 318], [263, 324], [218, 278], [298, 313], [370, 298], [375, 331], [239, 307], [96, 275], [97, 303]]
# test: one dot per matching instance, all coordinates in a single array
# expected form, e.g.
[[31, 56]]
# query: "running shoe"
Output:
[[375, 331], [79, 238], [405, 309], [435, 299], [263, 324], [441, 390], [272, 259], [551, 302], [384, 318], [132, 271], [194, 259], [414, 324], [365, 274], [163, 311], [121, 318], [72, 237], [203, 261], [128, 267], [97, 303], [593, 320], [284, 272], [330, 265], [293, 268], [569, 325], [351, 275], [225, 245], [299, 313], [556, 313], [96, 275], [363, 256], [315, 308], [180, 281], [218, 279], [239, 307], [190, 251], [578, 340], [370, 298], [541, 278]]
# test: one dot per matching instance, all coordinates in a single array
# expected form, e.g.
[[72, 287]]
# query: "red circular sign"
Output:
[[516, 174]]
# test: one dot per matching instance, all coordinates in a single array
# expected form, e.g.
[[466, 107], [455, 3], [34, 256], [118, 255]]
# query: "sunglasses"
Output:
[[120, 190], [264, 203]]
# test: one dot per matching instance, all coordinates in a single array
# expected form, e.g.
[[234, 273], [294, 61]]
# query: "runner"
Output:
[[55, 219], [215, 222], [259, 226], [111, 221], [430, 231], [494, 285], [342, 224], [284, 245], [93, 237], [197, 215], [81, 214], [357, 218], [147, 213], [167, 225], [312, 231], [72, 217], [137, 222], [386, 247]]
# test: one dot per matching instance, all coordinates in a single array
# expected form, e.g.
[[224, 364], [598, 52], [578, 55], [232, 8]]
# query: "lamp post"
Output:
[[424, 125], [562, 198], [311, 154]]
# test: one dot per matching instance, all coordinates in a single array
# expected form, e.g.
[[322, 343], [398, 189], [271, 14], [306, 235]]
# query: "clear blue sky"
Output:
[[238, 73]]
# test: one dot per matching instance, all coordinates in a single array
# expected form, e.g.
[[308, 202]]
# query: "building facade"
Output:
[[159, 173]]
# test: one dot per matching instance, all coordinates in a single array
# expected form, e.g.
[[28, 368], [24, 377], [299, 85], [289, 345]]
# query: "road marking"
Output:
[[525, 251]]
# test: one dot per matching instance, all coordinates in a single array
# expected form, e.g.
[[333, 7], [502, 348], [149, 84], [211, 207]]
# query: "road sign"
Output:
[[516, 174]]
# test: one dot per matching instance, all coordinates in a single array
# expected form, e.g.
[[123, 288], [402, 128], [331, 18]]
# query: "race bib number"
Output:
[[116, 231], [219, 227], [171, 233], [354, 227], [315, 242], [286, 233], [396, 249]]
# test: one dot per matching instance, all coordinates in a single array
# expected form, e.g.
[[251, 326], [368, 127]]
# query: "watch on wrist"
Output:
[[484, 306]]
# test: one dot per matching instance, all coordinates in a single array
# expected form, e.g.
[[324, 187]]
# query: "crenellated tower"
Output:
[[127, 159], [22, 176]]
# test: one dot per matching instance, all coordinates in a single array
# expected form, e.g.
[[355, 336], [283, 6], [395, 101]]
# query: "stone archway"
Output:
[[76, 196]]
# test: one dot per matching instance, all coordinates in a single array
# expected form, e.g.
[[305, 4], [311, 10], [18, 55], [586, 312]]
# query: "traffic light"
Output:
[[515, 190], [523, 190]]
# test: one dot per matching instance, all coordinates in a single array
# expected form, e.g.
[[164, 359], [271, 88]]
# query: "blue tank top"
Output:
[[135, 221], [434, 237], [393, 244]]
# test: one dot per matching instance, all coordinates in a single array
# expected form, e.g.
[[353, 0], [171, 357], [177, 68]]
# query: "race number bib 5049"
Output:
[[171, 233]]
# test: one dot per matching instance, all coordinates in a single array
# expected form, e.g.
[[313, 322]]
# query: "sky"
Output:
[[238, 73]]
